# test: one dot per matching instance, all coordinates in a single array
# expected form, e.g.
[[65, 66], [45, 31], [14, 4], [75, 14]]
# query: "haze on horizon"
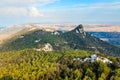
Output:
[[59, 11]]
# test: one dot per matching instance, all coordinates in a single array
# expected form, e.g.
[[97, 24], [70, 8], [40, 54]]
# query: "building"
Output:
[[94, 58]]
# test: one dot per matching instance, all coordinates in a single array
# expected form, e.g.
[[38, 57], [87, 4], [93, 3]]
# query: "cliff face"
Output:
[[79, 29]]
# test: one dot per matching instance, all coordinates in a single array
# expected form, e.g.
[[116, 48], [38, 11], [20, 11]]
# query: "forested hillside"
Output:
[[29, 64]]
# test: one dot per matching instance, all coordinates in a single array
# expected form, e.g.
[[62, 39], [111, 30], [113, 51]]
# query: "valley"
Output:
[[110, 37]]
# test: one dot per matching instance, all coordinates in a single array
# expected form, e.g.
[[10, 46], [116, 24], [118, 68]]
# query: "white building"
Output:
[[94, 58], [56, 33]]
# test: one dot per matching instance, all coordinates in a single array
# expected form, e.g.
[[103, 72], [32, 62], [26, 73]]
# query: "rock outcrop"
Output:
[[45, 47], [79, 29]]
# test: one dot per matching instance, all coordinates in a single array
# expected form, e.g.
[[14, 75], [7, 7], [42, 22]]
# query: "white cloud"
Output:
[[108, 5], [24, 3], [30, 11], [83, 13], [112, 5], [18, 8], [13, 11], [34, 12]]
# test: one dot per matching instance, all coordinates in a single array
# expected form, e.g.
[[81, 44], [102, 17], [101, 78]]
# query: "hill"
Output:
[[74, 39], [30, 64]]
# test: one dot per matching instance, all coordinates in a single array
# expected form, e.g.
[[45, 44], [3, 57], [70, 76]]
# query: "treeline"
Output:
[[56, 65]]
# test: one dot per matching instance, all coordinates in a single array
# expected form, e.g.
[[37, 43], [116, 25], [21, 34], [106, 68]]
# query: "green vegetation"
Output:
[[29, 64], [28, 41], [91, 43]]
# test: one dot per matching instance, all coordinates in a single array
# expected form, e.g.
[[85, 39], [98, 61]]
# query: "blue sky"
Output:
[[59, 11]]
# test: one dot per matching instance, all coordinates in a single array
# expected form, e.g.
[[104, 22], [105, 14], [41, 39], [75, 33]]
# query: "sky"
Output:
[[59, 12]]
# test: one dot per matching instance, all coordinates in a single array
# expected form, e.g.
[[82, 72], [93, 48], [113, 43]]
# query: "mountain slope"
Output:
[[34, 39], [11, 33], [78, 39], [74, 39]]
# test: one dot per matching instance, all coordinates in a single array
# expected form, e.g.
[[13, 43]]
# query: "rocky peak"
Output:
[[80, 29]]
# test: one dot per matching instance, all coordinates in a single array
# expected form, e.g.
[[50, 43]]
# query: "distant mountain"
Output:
[[102, 28], [110, 37], [59, 40]]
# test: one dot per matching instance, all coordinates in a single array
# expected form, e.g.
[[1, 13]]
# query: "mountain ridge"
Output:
[[74, 39]]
